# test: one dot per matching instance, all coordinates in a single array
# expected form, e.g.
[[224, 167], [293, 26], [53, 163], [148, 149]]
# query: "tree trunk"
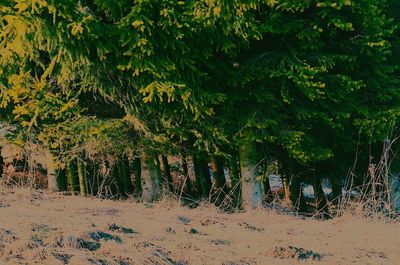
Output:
[[235, 180], [336, 189], [167, 174], [115, 185], [252, 189], [217, 165], [188, 183], [52, 179], [394, 192], [202, 173], [320, 199], [62, 180], [267, 188], [1, 164], [286, 190], [124, 177], [81, 176], [56, 180], [296, 194], [136, 167], [51, 173], [91, 179], [151, 181], [71, 177]]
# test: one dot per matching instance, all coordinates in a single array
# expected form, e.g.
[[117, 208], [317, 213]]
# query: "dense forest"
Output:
[[113, 98]]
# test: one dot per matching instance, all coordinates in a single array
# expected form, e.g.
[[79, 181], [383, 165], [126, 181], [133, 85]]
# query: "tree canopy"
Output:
[[304, 83]]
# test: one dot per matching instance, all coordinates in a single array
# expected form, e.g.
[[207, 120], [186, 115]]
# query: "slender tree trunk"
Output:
[[91, 179], [286, 190], [1, 164], [217, 165], [267, 187], [151, 181], [320, 199], [394, 192], [51, 173], [296, 194], [115, 185], [124, 178], [167, 174], [71, 177], [136, 166], [52, 179], [235, 180], [336, 189], [252, 189], [81, 176], [188, 183], [62, 180], [117, 173], [56, 180], [202, 173]]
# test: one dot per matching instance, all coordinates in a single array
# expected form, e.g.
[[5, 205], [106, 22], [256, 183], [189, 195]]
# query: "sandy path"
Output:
[[41, 228]]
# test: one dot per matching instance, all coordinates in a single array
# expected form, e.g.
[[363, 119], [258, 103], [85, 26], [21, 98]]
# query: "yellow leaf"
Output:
[[217, 10], [21, 6]]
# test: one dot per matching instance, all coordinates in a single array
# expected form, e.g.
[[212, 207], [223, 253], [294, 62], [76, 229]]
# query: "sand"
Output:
[[37, 227]]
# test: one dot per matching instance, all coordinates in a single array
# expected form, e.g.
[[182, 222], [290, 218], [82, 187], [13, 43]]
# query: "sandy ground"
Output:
[[42, 228]]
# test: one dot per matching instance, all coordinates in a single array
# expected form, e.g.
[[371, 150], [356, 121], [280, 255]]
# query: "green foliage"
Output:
[[306, 80], [319, 75]]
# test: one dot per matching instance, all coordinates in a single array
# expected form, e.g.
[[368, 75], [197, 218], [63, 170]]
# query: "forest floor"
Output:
[[44, 228]]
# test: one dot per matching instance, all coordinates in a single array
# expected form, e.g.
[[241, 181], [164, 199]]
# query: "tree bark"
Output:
[[81, 176], [188, 182], [124, 178], [62, 180], [286, 190], [320, 199], [151, 181], [267, 188], [51, 173], [136, 167], [1, 164], [167, 174], [202, 173], [217, 165], [394, 192], [235, 180], [71, 177], [336, 189], [296, 194], [92, 180], [252, 188], [56, 180]]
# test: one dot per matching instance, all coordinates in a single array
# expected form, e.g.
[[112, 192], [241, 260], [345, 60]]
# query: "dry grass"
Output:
[[43, 228]]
